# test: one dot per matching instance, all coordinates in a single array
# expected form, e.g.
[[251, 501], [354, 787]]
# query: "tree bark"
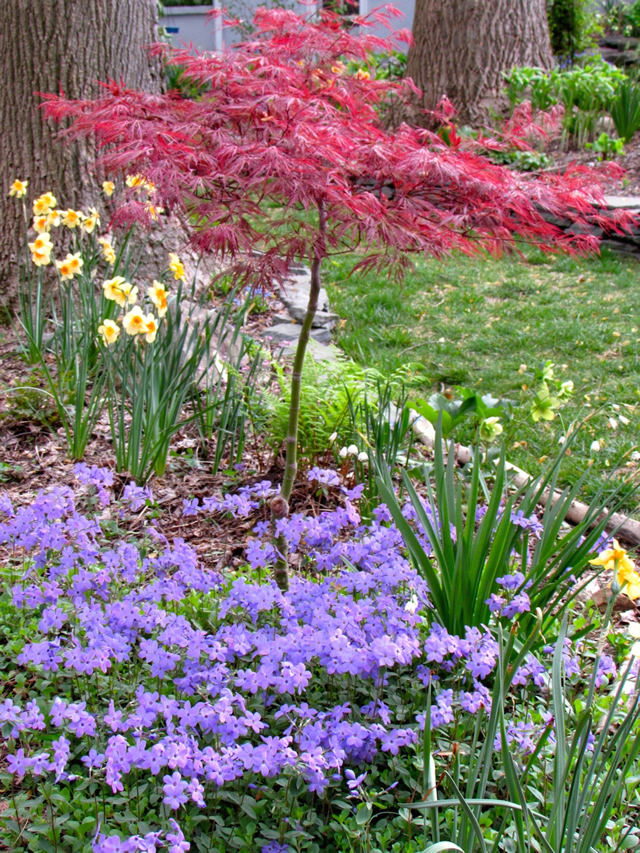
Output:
[[461, 48], [45, 46]]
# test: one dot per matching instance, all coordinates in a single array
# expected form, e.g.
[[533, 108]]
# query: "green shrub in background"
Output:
[[571, 26], [587, 93]]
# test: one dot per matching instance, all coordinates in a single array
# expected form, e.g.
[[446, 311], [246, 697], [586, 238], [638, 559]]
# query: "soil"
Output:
[[629, 185]]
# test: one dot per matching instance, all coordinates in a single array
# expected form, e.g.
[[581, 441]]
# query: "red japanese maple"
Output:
[[284, 159]]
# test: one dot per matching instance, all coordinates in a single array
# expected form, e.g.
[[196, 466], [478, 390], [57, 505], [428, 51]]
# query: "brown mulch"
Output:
[[629, 161]]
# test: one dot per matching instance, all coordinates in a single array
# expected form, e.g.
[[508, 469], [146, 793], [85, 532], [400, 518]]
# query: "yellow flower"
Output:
[[72, 218], [134, 323], [150, 186], [53, 218], [151, 328], [136, 181], [76, 262], [70, 266], [109, 331], [114, 289], [153, 211], [361, 74], [108, 252], [41, 249], [19, 188], [44, 204], [338, 68], [108, 187], [41, 223], [176, 267], [616, 559], [158, 295], [91, 221]]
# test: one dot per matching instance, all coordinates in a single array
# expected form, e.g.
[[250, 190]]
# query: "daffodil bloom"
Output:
[[134, 323], [69, 267], [91, 221], [176, 267], [41, 259], [18, 188], [153, 211], [53, 218], [44, 204], [109, 331], [617, 560], [113, 290], [158, 296], [135, 181], [72, 218], [361, 74], [108, 252], [151, 328], [76, 262], [41, 249], [108, 188], [41, 223]]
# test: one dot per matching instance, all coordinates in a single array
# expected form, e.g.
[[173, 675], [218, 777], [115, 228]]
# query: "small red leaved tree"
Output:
[[284, 159]]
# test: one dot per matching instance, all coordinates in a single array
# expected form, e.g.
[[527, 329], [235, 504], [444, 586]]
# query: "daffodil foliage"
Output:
[[283, 158]]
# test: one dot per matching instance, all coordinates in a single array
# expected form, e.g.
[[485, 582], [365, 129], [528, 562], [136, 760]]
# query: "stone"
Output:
[[318, 352], [295, 295], [620, 202], [291, 332]]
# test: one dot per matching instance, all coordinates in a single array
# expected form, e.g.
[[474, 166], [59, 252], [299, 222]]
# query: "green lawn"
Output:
[[475, 322]]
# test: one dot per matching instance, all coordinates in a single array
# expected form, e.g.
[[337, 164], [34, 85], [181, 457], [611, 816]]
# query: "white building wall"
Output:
[[188, 25]]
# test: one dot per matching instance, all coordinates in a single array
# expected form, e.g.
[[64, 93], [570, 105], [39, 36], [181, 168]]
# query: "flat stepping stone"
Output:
[[291, 332], [621, 202]]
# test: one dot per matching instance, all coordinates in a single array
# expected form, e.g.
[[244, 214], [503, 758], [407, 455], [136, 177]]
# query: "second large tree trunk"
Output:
[[461, 48], [45, 46]]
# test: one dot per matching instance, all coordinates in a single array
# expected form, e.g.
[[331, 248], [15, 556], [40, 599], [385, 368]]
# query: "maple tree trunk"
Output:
[[45, 46], [461, 48]]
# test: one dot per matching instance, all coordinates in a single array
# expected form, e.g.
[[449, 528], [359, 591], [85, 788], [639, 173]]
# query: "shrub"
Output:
[[285, 160]]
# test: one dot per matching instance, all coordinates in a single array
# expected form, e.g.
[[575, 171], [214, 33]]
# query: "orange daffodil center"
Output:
[[45, 203], [109, 331], [18, 188], [617, 560], [41, 249], [72, 218], [134, 323], [158, 296], [70, 266]]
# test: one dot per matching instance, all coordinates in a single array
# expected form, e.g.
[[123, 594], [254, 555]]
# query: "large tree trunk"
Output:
[[461, 48], [45, 46]]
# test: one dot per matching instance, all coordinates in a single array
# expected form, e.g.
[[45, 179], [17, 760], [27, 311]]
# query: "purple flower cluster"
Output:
[[266, 684]]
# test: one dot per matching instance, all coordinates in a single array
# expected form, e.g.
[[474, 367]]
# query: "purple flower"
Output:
[[174, 788]]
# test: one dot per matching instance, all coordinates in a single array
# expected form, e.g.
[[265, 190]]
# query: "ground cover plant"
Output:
[[490, 325], [156, 704]]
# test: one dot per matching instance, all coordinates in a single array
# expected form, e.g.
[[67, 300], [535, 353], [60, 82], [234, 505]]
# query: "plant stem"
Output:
[[280, 569]]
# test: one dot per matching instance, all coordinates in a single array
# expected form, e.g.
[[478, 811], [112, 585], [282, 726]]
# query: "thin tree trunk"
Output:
[[45, 46], [461, 48], [280, 504]]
